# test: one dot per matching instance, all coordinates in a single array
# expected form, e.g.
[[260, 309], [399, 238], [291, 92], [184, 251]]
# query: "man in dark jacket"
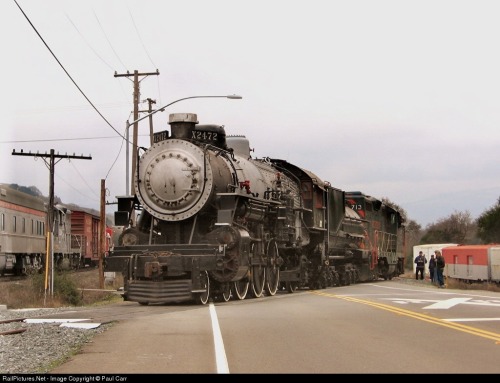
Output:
[[440, 263], [420, 260], [432, 268]]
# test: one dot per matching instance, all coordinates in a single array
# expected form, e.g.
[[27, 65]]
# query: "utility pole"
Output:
[[136, 95], [50, 162], [103, 241], [150, 109]]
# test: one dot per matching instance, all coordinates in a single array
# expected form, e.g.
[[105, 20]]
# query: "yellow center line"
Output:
[[422, 317]]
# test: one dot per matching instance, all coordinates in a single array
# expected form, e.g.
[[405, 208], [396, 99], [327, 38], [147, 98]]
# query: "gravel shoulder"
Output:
[[34, 348]]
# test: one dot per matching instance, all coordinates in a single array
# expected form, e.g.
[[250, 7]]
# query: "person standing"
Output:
[[420, 260], [432, 268], [440, 263]]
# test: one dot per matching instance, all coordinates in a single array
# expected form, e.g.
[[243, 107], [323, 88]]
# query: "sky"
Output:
[[397, 99]]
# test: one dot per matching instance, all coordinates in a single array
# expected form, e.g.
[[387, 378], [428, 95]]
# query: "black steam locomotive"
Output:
[[209, 221]]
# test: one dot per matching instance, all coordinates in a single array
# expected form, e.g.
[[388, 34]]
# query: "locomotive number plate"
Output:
[[160, 136]]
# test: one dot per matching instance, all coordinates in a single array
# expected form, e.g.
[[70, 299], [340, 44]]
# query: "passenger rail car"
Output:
[[23, 245], [22, 232], [216, 223], [473, 263]]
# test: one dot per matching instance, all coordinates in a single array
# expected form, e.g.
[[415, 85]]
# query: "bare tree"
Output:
[[413, 232], [457, 228]]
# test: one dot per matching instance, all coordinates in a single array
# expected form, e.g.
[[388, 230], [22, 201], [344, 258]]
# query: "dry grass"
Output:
[[460, 285], [70, 289], [83, 289], [453, 283]]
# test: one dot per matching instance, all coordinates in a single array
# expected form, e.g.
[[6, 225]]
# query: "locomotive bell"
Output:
[[182, 124]]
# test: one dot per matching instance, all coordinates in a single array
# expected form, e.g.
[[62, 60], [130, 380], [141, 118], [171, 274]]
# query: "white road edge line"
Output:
[[220, 352]]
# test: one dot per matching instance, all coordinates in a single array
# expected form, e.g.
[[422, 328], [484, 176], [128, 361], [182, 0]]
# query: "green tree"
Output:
[[488, 224]]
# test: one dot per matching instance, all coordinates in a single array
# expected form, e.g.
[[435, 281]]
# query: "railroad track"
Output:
[[11, 330], [13, 278]]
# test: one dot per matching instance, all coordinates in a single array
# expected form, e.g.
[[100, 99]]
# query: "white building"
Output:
[[428, 250]]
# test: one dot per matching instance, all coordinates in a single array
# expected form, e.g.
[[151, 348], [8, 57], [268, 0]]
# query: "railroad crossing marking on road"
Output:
[[448, 303]]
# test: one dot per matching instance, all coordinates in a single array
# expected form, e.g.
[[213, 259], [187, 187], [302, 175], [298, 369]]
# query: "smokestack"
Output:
[[182, 124]]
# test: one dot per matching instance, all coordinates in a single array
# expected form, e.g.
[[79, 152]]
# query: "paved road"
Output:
[[381, 327]]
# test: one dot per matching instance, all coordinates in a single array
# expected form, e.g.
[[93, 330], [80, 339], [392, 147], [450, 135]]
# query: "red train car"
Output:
[[473, 262], [85, 236]]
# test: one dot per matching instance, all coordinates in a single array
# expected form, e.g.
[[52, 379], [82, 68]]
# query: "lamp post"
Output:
[[134, 144]]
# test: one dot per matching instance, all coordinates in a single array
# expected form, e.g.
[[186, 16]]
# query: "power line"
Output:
[[65, 71], [86, 42], [140, 39], [109, 42], [59, 139]]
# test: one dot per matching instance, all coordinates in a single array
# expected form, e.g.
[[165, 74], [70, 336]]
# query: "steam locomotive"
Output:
[[208, 221]]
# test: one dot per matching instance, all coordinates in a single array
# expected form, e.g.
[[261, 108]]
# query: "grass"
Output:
[[457, 284], [82, 289], [70, 289], [461, 285]]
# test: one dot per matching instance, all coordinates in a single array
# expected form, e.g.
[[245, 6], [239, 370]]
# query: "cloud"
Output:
[[394, 99]]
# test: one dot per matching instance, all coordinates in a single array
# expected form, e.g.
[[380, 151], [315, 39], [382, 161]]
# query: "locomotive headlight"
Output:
[[227, 237], [219, 263]]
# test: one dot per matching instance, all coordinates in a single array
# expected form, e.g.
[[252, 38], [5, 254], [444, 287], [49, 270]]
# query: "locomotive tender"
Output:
[[213, 222]]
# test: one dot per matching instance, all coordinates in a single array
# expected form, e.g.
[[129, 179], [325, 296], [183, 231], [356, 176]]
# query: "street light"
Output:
[[134, 144]]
